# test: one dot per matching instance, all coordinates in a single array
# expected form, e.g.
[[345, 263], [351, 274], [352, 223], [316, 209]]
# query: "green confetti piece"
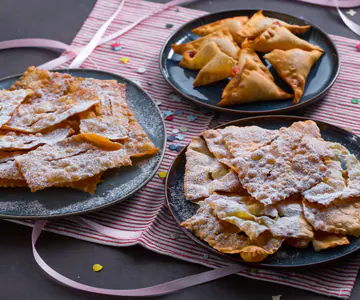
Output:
[[355, 101], [253, 270]]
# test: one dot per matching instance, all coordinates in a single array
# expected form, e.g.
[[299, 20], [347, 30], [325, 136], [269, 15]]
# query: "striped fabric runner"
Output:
[[146, 212]]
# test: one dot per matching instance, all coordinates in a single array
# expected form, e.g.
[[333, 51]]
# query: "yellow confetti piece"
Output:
[[124, 60], [162, 174], [97, 268]]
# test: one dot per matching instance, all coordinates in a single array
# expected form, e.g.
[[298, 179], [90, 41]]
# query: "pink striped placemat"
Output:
[[146, 211]]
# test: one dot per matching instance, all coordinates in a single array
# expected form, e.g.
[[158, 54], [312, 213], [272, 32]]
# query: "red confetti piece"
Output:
[[192, 53], [235, 70], [358, 46], [169, 118]]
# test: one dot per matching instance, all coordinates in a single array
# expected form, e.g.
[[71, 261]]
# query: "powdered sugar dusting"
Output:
[[118, 183]]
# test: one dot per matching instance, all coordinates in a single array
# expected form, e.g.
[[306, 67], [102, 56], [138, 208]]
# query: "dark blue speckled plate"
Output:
[[321, 78], [117, 185], [287, 257]]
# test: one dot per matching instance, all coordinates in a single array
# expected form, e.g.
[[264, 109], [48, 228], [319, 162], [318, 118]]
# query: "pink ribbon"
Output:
[[81, 55], [65, 58], [349, 23], [109, 232], [341, 3], [38, 43], [86, 51], [156, 290]]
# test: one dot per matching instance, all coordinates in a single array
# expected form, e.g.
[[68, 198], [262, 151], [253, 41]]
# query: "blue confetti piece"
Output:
[[171, 138], [179, 137], [179, 112], [167, 113], [179, 148], [191, 118], [173, 147]]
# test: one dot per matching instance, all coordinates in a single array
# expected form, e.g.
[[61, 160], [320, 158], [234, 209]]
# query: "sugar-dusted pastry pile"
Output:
[[227, 48], [62, 131], [258, 189]]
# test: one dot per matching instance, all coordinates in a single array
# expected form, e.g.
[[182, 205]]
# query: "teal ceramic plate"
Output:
[[118, 184], [320, 79], [287, 257]]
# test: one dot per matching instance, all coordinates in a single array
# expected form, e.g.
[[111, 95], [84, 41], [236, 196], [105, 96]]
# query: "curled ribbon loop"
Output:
[[38, 43], [341, 3], [156, 290], [109, 232]]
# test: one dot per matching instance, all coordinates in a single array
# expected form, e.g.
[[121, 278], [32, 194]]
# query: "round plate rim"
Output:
[[248, 112], [230, 258], [91, 210]]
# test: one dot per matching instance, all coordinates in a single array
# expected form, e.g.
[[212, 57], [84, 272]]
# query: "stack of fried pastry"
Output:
[[62, 131], [258, 189], [227, 48]]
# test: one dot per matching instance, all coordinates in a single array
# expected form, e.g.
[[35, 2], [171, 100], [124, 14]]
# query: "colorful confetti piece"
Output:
[[179, 137], [137, 82], [179, 112], [348, 129], [179, 148], [355, 101], [172, 147], [167, 113], [175, 98], [169, 25], [169, 118], [191, 118], [141, 70], [183, 129], [162, 174], [351, 12], [171, 138], [97, 267], [175, 131], [253, 270], [174, 236], [125, 60], [116, 47]]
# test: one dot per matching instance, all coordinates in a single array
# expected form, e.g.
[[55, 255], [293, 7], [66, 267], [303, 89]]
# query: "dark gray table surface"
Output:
[[133, 267]]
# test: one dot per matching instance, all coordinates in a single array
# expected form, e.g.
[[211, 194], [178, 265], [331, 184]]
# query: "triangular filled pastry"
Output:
[[195, 60], [258, 23], [294, 66], [233, 24], [222, 38], [251, 54], [251, 85], [218, 68], [278, 37]]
